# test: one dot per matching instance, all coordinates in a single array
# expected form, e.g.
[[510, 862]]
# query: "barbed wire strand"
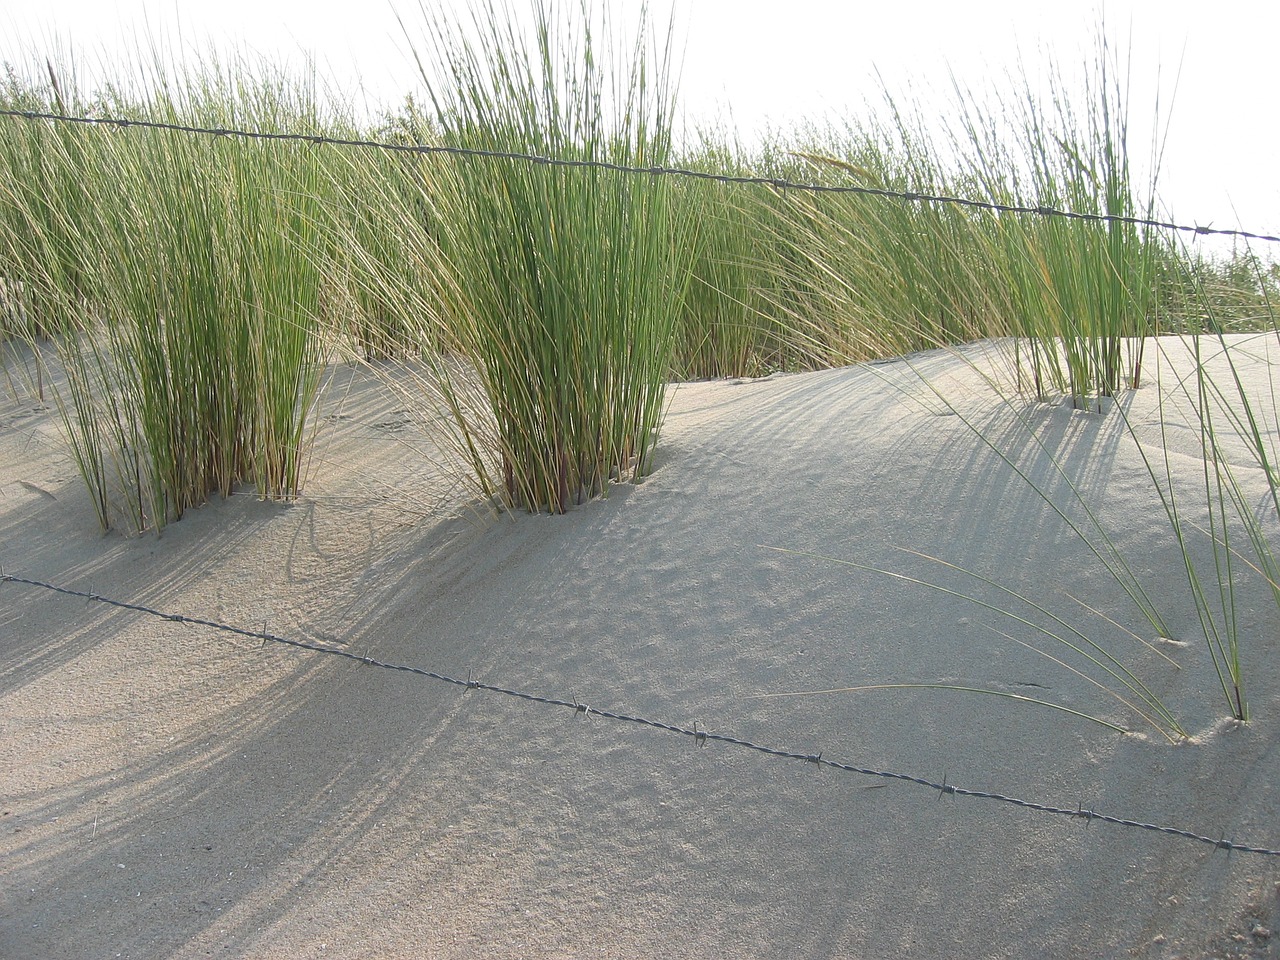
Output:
[[774, 182], [700, 737]]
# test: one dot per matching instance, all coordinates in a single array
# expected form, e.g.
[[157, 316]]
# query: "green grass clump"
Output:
[[174, 272], [563, 285]]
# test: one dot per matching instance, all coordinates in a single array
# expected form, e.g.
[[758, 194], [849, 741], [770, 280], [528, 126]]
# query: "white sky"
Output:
[[751, 62]]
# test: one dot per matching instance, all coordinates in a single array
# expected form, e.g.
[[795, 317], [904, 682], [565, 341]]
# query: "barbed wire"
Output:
[[700, 737], [775, 182]]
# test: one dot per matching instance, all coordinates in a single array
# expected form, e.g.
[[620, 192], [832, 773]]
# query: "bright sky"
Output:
[[755, 62]]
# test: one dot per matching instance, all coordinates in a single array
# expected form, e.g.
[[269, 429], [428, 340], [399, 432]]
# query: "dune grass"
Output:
[[564, 284], [173, 272]]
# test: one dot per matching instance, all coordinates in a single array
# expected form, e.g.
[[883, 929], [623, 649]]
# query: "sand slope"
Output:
[[169, 791]]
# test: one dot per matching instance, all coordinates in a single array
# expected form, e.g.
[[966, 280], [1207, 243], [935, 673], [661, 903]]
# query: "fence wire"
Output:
[[774, 182], [700, 737]]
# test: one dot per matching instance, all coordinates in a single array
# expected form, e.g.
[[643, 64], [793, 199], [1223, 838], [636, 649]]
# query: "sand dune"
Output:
[[172, 791]]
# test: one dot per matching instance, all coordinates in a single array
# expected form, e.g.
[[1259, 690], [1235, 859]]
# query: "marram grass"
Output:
[[175, 273], [564, 284]]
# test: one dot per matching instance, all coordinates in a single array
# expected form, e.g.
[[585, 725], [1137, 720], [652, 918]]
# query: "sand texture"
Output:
[[169, 790]]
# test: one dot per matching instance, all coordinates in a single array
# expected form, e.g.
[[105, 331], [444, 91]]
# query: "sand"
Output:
[[168, 790]]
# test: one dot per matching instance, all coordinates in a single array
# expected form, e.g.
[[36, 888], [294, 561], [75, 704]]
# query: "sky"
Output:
[[752, 65]]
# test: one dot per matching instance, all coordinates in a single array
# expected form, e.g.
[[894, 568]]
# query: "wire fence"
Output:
[[774, 182], [700, 737]]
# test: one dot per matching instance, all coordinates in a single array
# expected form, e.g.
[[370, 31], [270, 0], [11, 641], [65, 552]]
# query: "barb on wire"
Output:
[[699, 736], [774, 182]]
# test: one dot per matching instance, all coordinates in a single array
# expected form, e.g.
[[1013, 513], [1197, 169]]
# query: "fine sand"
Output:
[[167, 790]]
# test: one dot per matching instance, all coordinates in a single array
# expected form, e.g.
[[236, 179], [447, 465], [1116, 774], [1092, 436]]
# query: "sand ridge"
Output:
[[169, 791]]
